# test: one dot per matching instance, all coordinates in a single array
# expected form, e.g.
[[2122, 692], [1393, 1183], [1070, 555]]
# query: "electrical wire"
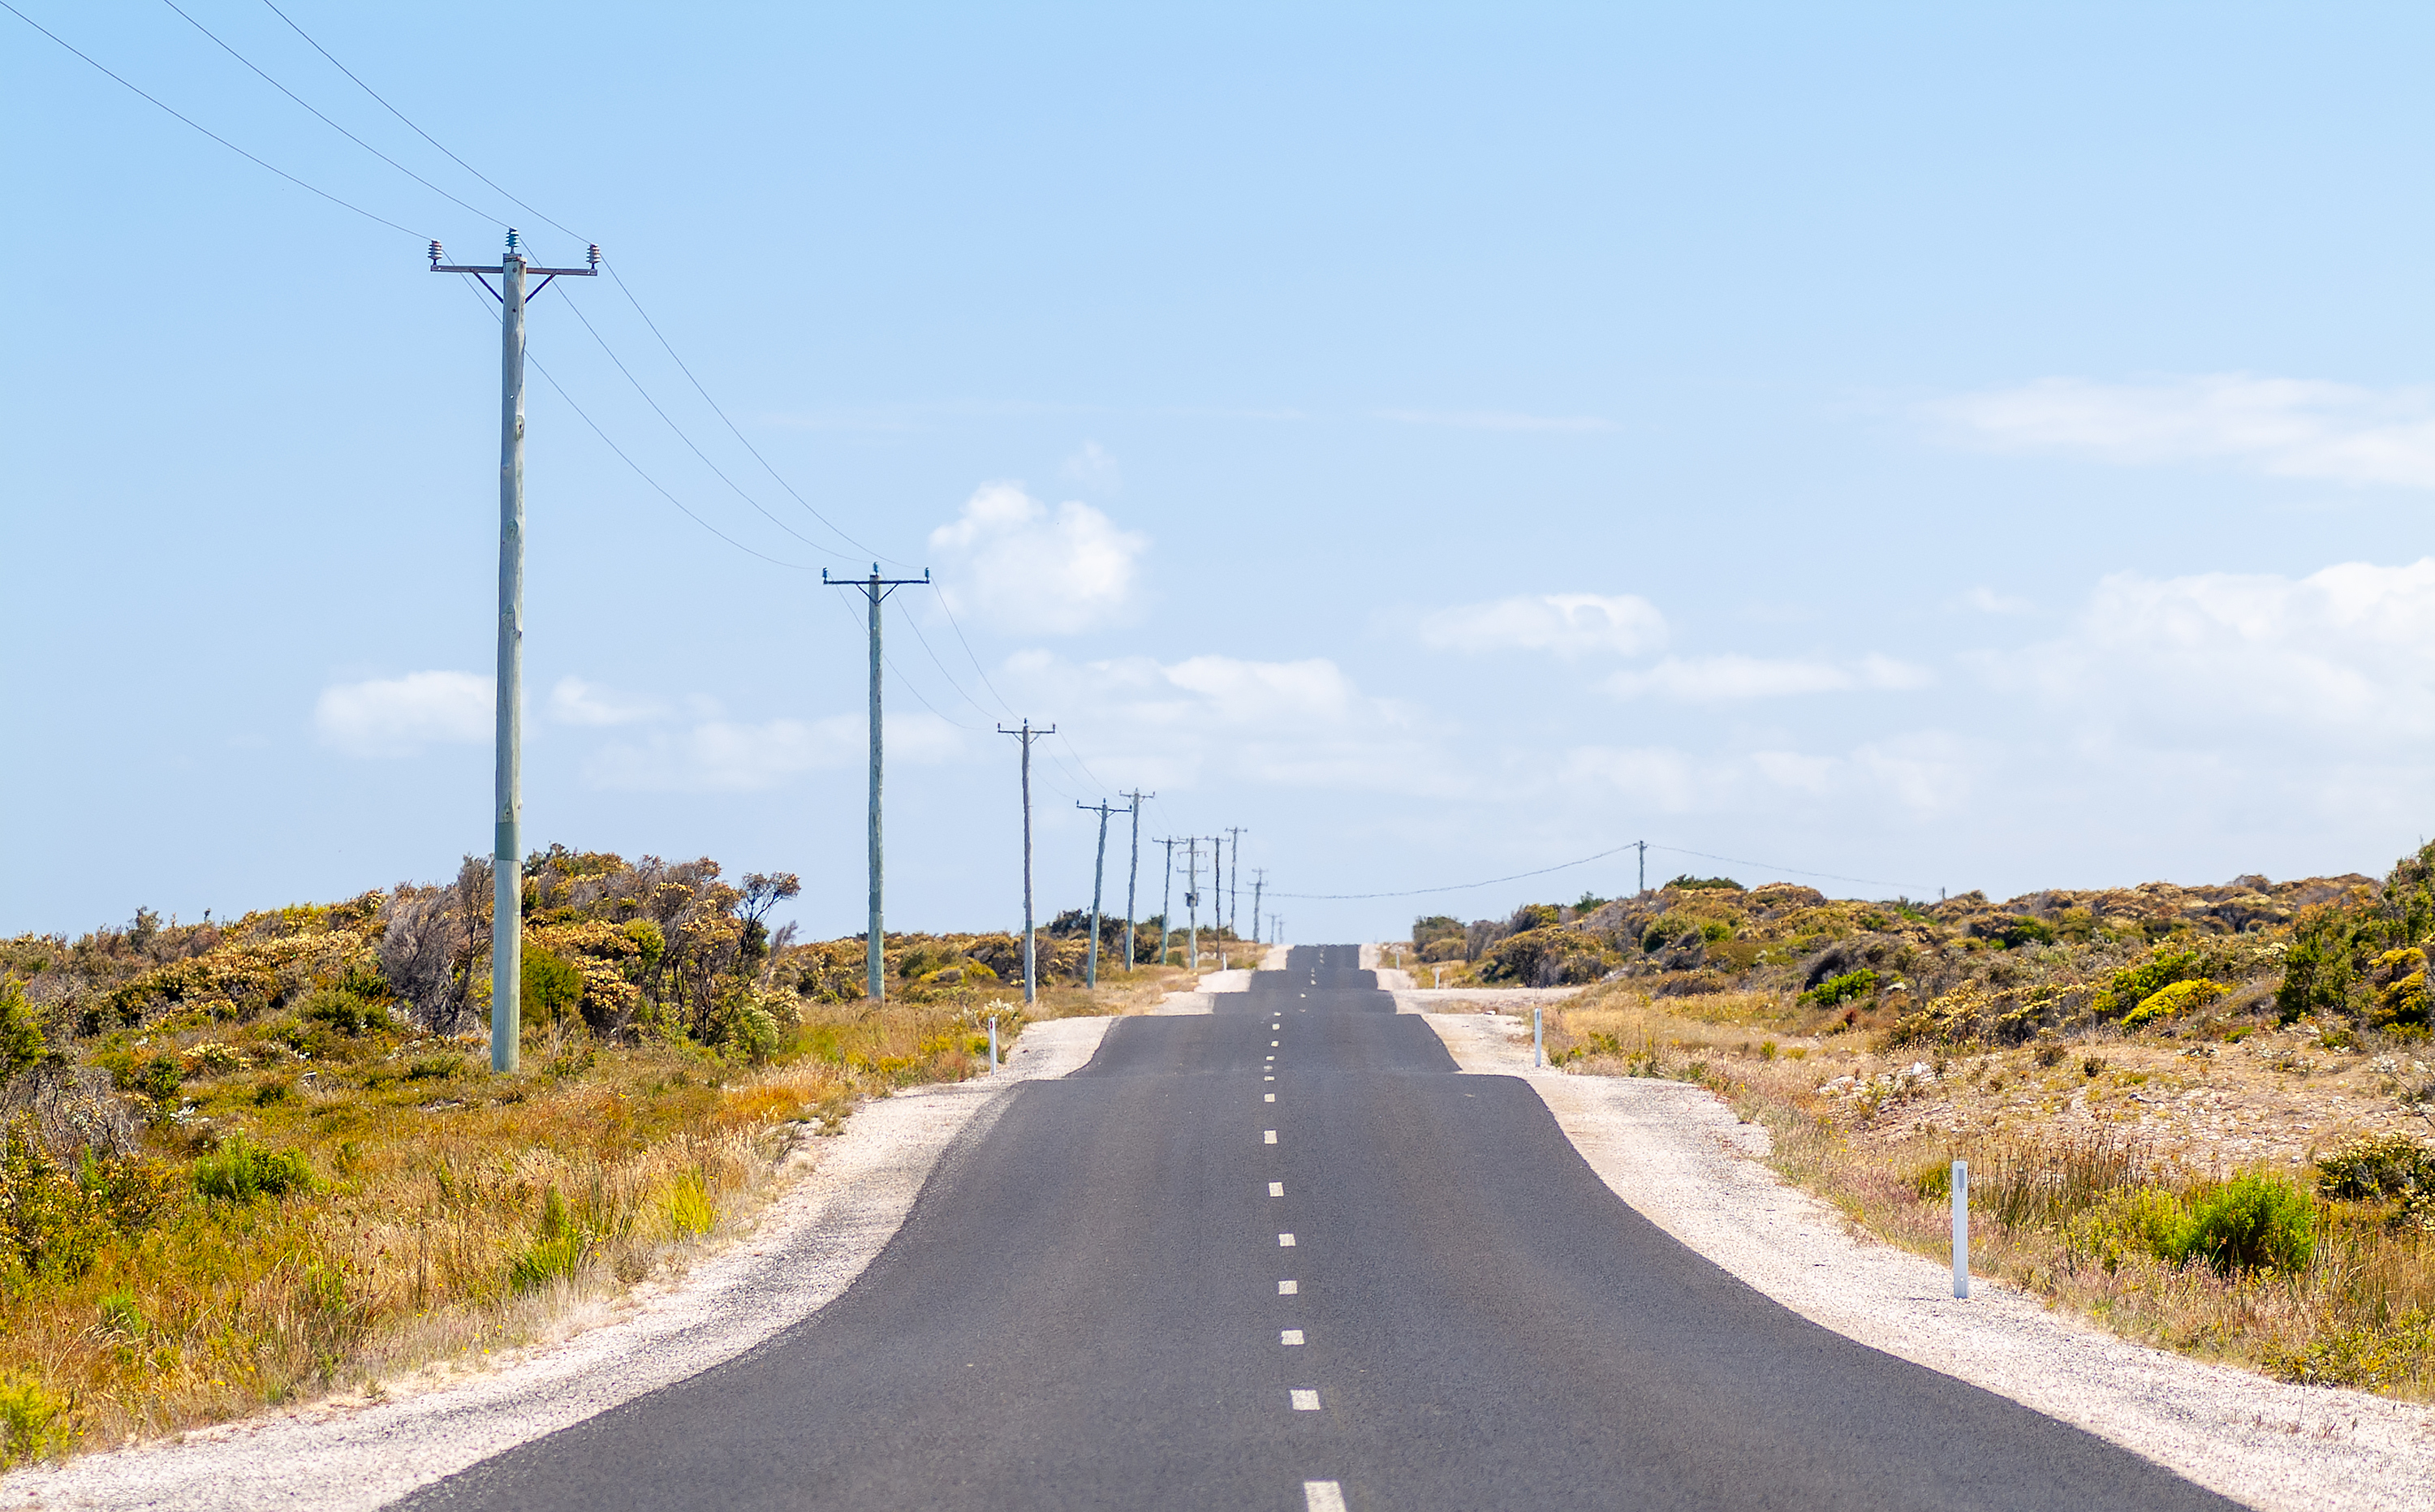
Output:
[[968, 653], [1566, 866], [325, 120], [577, 309], [207, 130], [915, 626], [581, 415], [622, 287], [1460, 887], [416, 129], [901, 679], [1796, 872], [732, 429]]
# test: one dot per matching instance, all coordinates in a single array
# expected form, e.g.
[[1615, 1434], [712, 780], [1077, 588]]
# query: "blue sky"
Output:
[[1943, 448]]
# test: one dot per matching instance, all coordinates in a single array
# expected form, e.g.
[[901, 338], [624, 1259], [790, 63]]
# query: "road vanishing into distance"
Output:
[[1286, 1255]]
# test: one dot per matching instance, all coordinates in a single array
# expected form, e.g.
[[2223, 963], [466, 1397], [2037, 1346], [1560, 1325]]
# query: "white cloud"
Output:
[[2291, 427], [1491, 420], [1566, 624], [1026, 568], [573, 701], [1207, 718], [398, 716], [1919, 774], [1987, 601], [730, 756], [2344, 656], [1724, 679], [1094, 467]]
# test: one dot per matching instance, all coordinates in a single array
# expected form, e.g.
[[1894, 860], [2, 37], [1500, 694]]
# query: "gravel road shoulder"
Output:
[[1675, 1153], [809, 1245]]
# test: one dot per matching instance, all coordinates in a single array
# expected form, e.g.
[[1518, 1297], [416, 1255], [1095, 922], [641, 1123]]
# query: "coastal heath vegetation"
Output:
[[2202, 1115], [250, 1162]]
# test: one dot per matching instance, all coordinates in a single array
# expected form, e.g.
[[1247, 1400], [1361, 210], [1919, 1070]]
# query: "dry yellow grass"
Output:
[[2065, 1142], [447, 1212]]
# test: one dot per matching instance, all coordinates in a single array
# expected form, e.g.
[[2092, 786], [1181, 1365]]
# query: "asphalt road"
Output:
[[1096, 1305]]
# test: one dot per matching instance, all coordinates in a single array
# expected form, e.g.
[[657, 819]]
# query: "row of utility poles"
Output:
[[513, 271]]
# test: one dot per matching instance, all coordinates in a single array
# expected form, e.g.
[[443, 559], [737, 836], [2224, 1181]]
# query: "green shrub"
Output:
[[240, 1171], [690, 1209], [2134, 984], [2319, 967], [2126, 1221], [1686, 882], [552, 985], [159, 1078], [33, 1422], [20, 1038], [345, 1011], [1547, 957], [2253, 1221], [1843, 989], [557, 1252], [2024, 929]]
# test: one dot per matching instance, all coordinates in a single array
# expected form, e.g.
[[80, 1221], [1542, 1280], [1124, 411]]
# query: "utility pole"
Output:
[[1643, 847], [1166, 900], [1030, 967], [1235, 894], [507, 853], [1259, 880], [1192, 897], [1098, 873], [1218, 895], [876, 588], [1133, 874]]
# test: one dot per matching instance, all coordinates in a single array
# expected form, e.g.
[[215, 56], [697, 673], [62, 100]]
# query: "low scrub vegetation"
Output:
[[2103, 1180], [248, 1162]]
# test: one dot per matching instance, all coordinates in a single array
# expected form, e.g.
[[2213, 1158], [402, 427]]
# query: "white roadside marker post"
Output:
[[992, 1044], [1962, 1230], [1538, 1042]]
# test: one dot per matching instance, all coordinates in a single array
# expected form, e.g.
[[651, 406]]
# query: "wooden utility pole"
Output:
[[1098, 873], [1217, 898], [876, 588], [1031, 963], [507, 776], [1192, 899], [1259, 880], [1166, 900], [1235, 890], [1133, 874]]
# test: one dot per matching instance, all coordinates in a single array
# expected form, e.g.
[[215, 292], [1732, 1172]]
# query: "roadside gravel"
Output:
[[1675, 1153], [808, 1245]]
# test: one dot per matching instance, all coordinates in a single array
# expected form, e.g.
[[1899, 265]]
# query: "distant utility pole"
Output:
[[876, 588], [1192, 897], [1218, 895], [1133, 874], [1166, 898], [1030, 967], [1643, 847], [507, 854], [1098, 873], [1259, 880], [1235, 893]]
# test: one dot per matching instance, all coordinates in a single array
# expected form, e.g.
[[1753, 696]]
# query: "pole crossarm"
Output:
[[515, 258]]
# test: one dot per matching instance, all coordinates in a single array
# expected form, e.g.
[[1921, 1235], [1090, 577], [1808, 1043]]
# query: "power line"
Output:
[[325, 120], [1830, 876], [968, 654], [622, 287], [207, 130], [410, 125], [689, 441], [732, 427], [1566, 866], [1460, 887]]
